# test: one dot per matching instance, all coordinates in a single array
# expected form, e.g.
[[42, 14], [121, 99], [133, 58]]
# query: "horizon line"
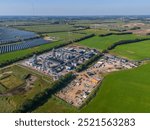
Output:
[[79, 15]]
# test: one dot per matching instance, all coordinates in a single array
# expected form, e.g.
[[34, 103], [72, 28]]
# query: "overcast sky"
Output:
[[74, 7]]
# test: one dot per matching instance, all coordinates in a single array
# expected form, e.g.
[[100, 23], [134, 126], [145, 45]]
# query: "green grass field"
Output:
[[95, 31], [7, 104], [14, 102], [136, 51], [126, 91], [11, 82], [2, 88], [66, 36], [55, 105], [102, 43]]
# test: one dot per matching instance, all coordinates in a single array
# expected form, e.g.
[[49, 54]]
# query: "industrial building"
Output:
[[60, 61]]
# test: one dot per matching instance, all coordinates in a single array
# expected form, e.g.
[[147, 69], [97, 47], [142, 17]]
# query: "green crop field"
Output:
[[103, 43], [125, 91], [47, 28], [136, 51]]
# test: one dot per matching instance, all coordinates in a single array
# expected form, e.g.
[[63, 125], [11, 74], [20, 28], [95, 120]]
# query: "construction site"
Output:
[[80, 89]]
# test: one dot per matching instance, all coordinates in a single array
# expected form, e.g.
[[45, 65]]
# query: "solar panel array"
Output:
[[8, 35], [13, 39], [23, 45]]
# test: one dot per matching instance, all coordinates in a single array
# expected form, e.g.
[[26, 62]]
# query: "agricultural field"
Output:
[[95, 31], [16, 95], [47, 28], [102, 43], [136, 51], [72, 35], [126, 91], [65, 36]]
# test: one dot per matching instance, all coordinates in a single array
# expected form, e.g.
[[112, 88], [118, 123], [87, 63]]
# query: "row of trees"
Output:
[[42, 97], [88, 63], [126, 42], [108, 34], [118, 30], [72, 30]]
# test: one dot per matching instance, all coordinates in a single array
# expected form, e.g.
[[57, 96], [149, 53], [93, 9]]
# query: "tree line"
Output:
[[72, 30], [113, 46], [84, 66], [109, 34]]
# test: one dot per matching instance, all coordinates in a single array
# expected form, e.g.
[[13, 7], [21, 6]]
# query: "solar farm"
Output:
[[22, 45], [14, 39], [8, 35]]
